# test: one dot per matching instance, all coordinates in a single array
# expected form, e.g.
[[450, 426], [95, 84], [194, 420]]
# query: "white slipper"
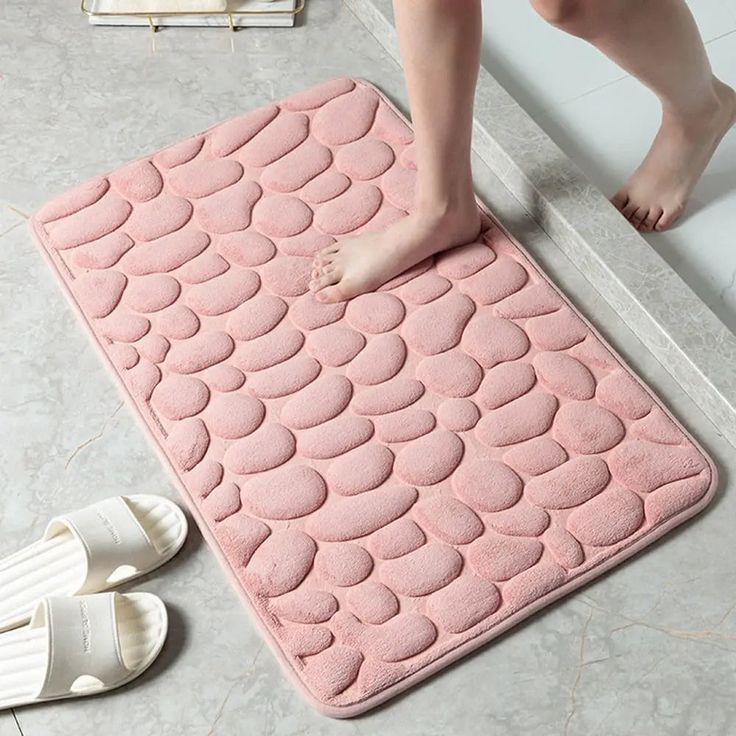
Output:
[[90, 550], [80, 646]]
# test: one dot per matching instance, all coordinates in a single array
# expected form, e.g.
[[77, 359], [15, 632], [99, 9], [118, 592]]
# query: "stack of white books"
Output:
[[217, 12]]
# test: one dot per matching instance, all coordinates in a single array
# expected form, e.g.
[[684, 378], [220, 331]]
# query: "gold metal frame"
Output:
[[225, 13]]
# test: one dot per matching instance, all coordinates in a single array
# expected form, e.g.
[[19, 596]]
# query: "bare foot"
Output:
[[658, 191], [360, 264]]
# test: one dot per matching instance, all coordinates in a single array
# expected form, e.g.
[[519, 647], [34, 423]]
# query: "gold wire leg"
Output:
[[154, 28]]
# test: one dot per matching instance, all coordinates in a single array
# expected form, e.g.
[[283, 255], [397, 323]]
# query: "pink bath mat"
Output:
[[391, 482]]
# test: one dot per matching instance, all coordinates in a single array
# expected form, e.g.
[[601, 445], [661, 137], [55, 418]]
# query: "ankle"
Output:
[[456, 222], [715, 102], [446, 205], [447, 216]]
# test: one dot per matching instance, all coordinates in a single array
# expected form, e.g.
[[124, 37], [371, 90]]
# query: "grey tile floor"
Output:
[[647, 649]]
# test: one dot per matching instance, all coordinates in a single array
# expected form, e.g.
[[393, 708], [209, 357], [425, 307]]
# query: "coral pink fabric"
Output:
[[390, 482]]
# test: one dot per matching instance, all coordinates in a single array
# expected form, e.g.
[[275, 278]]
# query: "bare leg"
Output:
[[440, 47], [658, 42]]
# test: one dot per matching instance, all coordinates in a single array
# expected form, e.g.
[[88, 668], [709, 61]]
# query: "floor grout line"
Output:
[[719, 37], [546, 109], [17, 211], [562, 103], [17, 722]]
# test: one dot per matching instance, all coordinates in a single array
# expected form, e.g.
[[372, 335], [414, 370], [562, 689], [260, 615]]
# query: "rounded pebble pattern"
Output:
[[423, 571], [380, 360], [360, 470], [389, 478], [343, 564], [372, 602], [350, 518], [396, 539], [459, 415], [306, 606], [463, 603], [448, 519], [268, 350], [284, 493]]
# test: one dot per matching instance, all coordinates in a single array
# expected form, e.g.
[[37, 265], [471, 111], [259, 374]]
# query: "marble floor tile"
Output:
[[646, 649], [538, 64], [715, 18], [543, 67], [8, 725]]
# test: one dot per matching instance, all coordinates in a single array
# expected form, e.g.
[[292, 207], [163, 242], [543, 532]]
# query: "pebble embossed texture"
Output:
[[390, 482]]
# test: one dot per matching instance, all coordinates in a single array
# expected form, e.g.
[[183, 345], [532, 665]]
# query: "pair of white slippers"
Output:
[[60, 637]]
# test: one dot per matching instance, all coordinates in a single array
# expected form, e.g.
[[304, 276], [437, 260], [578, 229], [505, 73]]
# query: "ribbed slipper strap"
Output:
[[111, 536], [82, 640]]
